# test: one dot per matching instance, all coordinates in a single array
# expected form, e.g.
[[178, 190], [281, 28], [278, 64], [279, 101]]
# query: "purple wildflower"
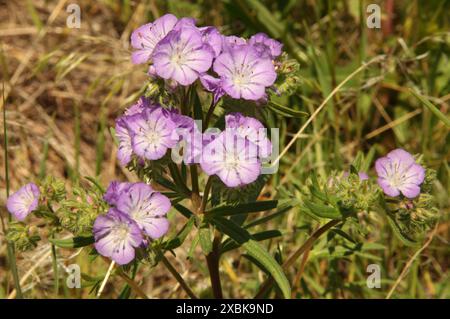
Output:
[[232, 158], [265, 46], [24, 201], [151, 132], [182, 56], [212, 36], [145, 38], [251, 129], [116, 236], [244, 73], [147, 208], [114, 190], [398, 173]]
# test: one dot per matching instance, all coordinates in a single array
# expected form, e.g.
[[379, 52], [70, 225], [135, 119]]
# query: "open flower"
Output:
[[24, 201], [251, 129], [398, 173], [145, 38], [151, 133], [244, 73], [116, 236], [182, 56], [232, 158], [147, 208], [265, 46]]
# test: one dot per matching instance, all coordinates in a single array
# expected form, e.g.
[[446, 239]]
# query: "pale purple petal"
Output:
[[123, 135], [398, 172], [151, 133], [114, 190], [146, 37], [24, 201], [182, 56], [116, 236], [146, 207], [244, 74]]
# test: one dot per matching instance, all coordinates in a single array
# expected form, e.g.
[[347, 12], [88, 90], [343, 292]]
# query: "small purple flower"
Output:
[[251, 129], [232, 158], [244, 74], [182, 56], [151, 133], [213, 85], [147, 208], [398, 173], [116, 236], [114, 190], [145, 38], [265, 46], [24, 201], [212, 36]]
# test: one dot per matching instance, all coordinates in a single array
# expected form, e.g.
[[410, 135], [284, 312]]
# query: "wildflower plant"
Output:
[[199, 79]]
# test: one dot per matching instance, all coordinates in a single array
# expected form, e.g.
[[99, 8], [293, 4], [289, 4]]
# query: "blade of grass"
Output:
[[445, 119], [10, 247]]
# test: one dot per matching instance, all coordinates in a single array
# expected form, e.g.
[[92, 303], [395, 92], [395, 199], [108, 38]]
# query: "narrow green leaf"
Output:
[[285, 111], [230, 244], [205, 238], [323, 210], [181, 236], [432, 108], [230, 210], [75, 242], [255, 250]]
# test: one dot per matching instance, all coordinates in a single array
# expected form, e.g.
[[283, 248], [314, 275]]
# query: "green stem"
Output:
[[206, 195], [55, 270], [178, 277], [10, 246]]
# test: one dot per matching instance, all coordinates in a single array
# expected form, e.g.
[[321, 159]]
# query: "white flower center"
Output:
[[153, 137], [121, 232]]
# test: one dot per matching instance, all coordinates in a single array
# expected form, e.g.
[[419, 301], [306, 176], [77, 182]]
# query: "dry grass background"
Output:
[[64, 87]]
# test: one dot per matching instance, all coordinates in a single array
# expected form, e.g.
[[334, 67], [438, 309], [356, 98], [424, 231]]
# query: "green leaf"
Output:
[[432, 108], [405, 239], [181, 236], [75, 242], [255, 250], [205, 238], [230, 244], [183, 210], [323, 211], [285, 111], [231, 210]]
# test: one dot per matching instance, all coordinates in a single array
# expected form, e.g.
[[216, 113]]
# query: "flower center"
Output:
[[121, 232], [153, 137]]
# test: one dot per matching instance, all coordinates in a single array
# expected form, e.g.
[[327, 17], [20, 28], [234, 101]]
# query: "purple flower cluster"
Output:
[[24, 201], [180, 51], [137, 212], [148, 130], [398, 173]]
